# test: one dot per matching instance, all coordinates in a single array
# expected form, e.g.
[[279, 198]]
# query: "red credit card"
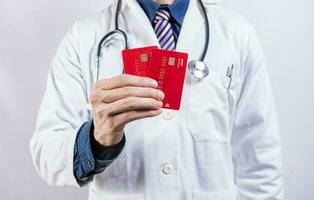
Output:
[[136, 61], [168, 69]]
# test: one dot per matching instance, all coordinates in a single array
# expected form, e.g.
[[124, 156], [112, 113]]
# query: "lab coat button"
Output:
[[168, 115], [167, 169]]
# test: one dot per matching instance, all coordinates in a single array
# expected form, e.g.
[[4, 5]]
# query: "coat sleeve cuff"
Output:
[[90, 157], [105, 155], [84, 162]]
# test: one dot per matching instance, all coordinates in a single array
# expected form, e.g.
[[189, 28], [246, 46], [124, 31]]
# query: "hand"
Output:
[[119, 100]]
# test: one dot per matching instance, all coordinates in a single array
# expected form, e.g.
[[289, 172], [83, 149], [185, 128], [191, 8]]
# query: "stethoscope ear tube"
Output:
[[108, 35], [116, 31], [207, 30]]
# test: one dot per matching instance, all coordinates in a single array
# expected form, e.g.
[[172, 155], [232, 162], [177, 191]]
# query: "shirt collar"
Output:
[[177, 9]]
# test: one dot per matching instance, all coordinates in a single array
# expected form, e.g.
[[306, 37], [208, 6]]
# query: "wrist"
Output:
[[108, 140]]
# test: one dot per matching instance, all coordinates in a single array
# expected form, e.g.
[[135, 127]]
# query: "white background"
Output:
[[31, 30]]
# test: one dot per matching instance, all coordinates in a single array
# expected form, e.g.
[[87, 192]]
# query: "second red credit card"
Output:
[[168, 69]]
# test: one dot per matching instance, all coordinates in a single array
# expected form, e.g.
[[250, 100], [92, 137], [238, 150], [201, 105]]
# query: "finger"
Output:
[[109, 96], [133, 103], [125, 80], [124, 118]]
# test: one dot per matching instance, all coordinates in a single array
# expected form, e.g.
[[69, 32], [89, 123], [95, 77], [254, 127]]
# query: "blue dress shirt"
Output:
[[90, 157]]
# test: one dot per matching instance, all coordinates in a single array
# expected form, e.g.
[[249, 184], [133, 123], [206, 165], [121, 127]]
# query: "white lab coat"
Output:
[[221, 145]]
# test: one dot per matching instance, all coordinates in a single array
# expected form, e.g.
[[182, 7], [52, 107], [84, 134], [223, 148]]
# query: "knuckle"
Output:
[[122, 79], [130, 102], [153, 92], [128, 91], [106, 111], [154, 103], [105, 97], [143, 81], [94, 99], [98, 85], [130, 115], [151, 113]]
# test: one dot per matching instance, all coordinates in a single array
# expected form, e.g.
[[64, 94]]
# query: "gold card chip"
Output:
[[144, 57], [171, 61]]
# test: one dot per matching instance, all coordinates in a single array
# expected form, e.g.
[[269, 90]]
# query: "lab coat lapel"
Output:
[[190, 30], [138, 25]]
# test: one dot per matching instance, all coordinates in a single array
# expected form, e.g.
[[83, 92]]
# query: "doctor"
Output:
[[223, 143]]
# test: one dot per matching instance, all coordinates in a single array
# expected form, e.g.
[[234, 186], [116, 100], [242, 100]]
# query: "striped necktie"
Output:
[[163, 29]]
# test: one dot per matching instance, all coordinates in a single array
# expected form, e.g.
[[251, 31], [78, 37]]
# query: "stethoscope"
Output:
[[197, 68]]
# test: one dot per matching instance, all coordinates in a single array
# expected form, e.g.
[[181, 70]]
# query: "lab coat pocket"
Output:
[[211, 103]]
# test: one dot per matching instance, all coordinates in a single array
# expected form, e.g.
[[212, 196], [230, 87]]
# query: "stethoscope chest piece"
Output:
[[198, 69]]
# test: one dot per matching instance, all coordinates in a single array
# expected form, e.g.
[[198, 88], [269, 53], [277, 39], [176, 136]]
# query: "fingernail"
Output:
[[152, 83], [161, 95], [160, 103]]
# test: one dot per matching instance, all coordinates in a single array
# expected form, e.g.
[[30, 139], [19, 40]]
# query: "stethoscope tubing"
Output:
[[119, 31]]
